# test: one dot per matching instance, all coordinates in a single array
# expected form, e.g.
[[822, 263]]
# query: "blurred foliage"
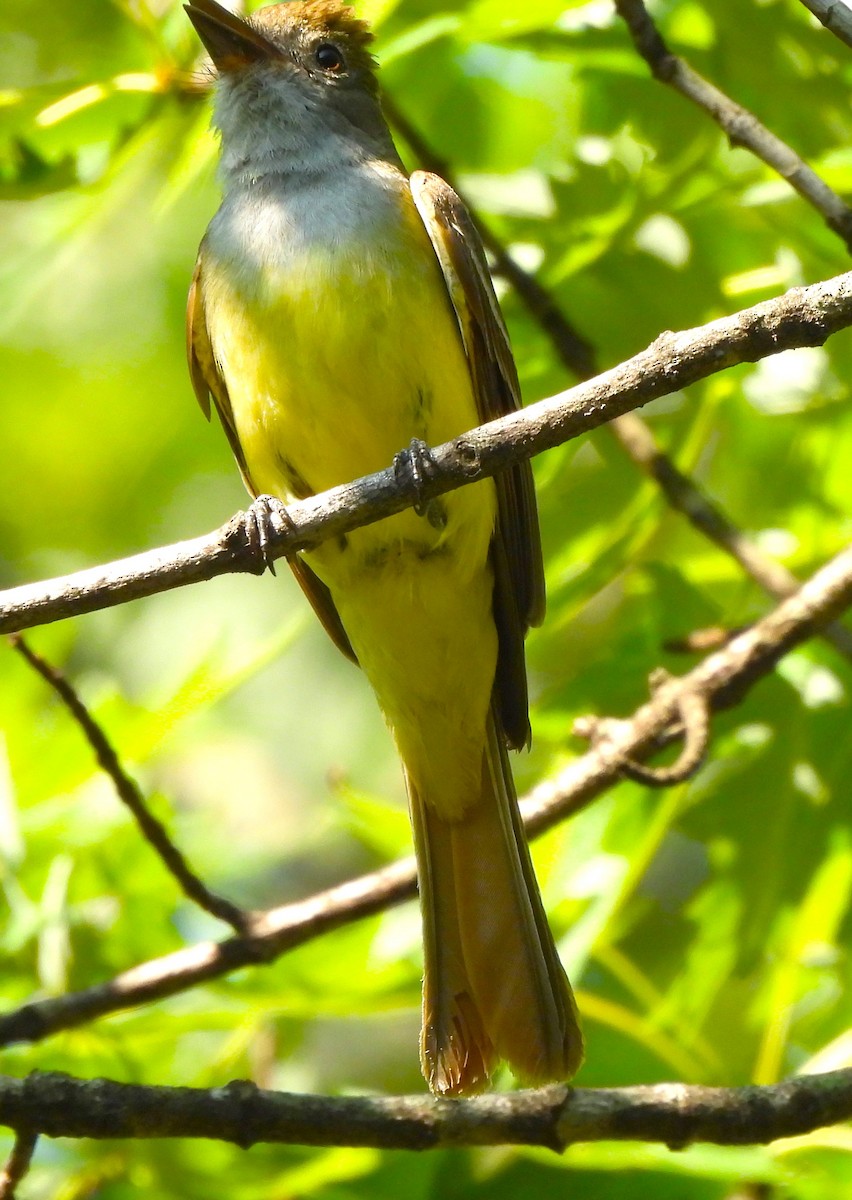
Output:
[[707, 927]]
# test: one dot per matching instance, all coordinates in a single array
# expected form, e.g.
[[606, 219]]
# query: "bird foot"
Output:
[[264, 519], [414, 468]]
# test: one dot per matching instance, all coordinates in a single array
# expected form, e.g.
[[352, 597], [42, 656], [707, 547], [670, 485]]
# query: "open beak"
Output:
[[229, 40]]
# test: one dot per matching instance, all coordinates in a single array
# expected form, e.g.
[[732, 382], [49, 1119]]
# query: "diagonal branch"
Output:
[[801, 317], [706, 516], [721, 680], [553, 1117], [18, 1162], [835, 15], [151, 828], [742, 127]]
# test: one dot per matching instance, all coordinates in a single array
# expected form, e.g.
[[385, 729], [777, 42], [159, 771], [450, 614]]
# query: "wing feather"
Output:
[[516, 550], [207, 379]]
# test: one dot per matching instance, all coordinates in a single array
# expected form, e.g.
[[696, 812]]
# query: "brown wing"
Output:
[[207, 381], [516, 548], [204, 371]]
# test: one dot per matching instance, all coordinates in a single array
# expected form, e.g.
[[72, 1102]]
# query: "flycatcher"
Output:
[[339, 311]]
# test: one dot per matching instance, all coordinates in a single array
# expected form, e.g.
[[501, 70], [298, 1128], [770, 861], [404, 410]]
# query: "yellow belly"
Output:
[[334, 361]]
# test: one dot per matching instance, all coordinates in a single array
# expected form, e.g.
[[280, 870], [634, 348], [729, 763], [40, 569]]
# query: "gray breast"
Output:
[[292, 215]]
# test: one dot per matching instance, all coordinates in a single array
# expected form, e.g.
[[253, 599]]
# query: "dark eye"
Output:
[[329, 57]]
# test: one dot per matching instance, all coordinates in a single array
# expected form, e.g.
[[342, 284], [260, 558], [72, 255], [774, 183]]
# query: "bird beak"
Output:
[[231, 42]]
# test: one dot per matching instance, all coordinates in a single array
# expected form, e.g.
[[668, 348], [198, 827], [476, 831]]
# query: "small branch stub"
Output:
[[693, 708], [18, 1162]]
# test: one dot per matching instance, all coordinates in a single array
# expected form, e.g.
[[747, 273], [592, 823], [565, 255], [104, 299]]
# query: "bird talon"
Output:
[[414, 467], [265, 518]]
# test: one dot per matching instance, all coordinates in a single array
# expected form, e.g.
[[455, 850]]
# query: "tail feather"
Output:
[[455, 1051], [493, 985]]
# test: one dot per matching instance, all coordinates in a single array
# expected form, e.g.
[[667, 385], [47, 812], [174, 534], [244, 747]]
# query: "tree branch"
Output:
[[554, 1117], [802, 317], [720, 680], [693, 729], [834, 15], [775, 579], [18, 1162], [742, 127], [151, 828]]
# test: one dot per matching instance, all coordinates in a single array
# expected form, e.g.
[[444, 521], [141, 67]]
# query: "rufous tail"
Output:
[[493, 985]]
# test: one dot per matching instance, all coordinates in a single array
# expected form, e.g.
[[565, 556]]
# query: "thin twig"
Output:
[[835, 15], [153, 830], [629, 430], [802, 317], [722, 678], [706, 516], [742, 127], [674, 1114], [19, 1161], [711, 637]]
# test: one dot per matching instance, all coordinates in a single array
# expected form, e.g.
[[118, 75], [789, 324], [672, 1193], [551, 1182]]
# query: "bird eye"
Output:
[[329, 57]]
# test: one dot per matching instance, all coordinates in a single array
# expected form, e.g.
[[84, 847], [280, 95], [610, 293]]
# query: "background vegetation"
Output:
[[707, 927]]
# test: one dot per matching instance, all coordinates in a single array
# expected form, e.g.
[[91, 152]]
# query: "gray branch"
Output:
[[802, 317], [835, 15], [554, 1117]]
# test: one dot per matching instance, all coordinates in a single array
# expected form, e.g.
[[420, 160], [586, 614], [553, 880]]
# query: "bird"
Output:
[[341, 317]]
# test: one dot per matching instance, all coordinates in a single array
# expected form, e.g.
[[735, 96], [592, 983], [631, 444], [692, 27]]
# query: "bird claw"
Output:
[[414, 467], [264, 519]]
